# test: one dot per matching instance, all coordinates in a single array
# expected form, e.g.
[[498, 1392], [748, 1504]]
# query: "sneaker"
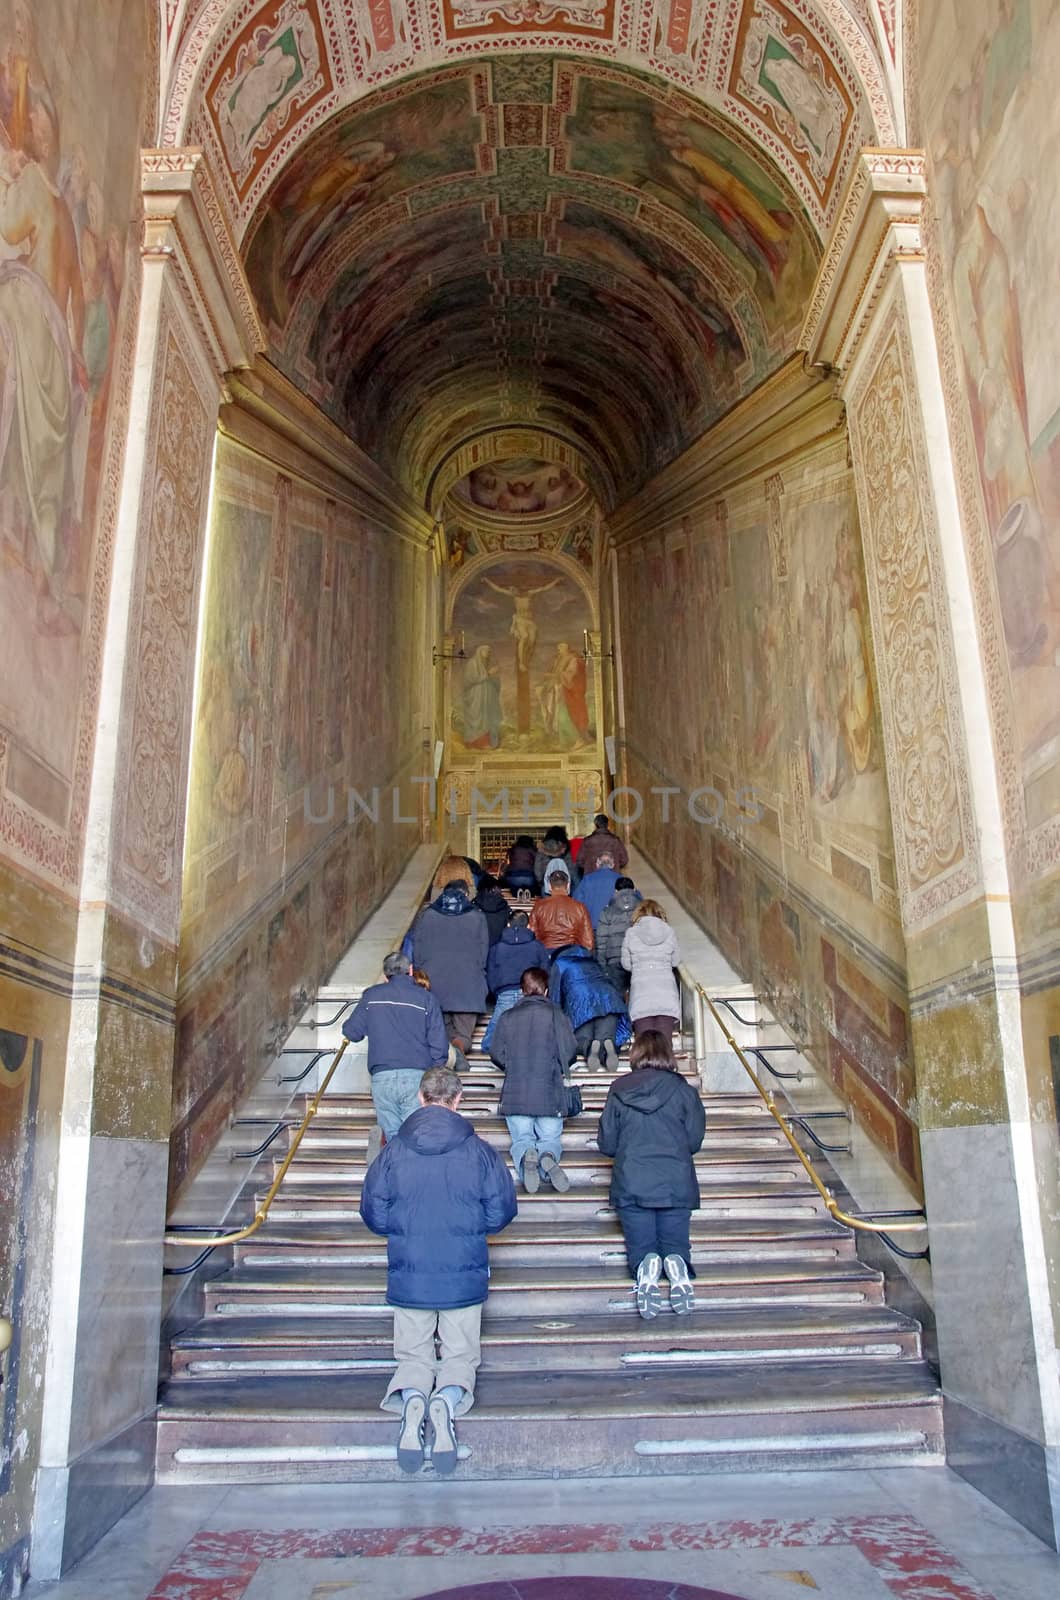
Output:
[[682, 1295], [412, 1437], [443, 1436], [551, 1169], [460, 1061], [649, 1295], [611, 1062], [531, 1175], [375, 1142], [592, 1059]]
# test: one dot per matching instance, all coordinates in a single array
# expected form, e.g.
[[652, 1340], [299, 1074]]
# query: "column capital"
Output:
[[878, 226], [186, 229]]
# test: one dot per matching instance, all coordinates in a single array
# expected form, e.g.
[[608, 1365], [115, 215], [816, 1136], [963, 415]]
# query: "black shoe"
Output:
[[649, 1295], [443, 1436], [531, 1175], [551, 1169], [682, 1295], [412, 1437]]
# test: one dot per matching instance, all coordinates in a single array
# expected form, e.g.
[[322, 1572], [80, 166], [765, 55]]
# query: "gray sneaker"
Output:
[[412, 1437], [649, 1295], [551, 1169], [611, 1061], [531, 1175], [682, 1295]]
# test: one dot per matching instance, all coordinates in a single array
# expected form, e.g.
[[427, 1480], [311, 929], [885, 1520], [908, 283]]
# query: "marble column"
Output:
[[196, 323], [870, 323]]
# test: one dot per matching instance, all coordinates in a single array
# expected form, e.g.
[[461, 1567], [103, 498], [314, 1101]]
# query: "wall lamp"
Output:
[[591, 639]]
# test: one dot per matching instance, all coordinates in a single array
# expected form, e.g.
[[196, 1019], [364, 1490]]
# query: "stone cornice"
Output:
[[185, 227], [878, 226], [268, 414], [790, 412]]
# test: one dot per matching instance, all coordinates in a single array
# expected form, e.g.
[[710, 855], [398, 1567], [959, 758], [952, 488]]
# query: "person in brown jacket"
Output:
[[557, 920], [602, 842]]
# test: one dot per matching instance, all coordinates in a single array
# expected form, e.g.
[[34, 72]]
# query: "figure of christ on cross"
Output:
[[523, 630]]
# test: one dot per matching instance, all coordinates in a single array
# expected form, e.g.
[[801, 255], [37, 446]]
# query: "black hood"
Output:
[[434, 1130], [648, 1089], [491, 900]]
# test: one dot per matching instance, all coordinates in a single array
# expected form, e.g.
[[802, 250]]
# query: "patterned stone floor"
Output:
[[912, 1535]]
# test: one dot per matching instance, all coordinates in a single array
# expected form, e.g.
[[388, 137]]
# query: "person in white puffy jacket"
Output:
[[649, 955]]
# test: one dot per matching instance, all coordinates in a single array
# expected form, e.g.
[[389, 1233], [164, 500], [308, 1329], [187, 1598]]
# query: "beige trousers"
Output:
[[420, 1366]]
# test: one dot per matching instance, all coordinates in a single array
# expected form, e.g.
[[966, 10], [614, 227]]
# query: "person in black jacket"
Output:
[[437, 1192], [493, 905], [535, 1044], [653, 1124]]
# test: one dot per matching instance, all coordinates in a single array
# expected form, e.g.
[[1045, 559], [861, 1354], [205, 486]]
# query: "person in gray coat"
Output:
[[614, 924], [649, 955], [450, 943]]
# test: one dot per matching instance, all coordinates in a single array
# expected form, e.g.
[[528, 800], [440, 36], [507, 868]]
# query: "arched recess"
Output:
[[498, 444]]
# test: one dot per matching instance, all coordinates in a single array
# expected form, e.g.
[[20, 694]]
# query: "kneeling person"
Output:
[[437, 1192], [406, 1034], [534, 1044]]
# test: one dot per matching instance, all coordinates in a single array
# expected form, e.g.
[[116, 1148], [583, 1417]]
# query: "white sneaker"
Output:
[[649, 1295], [682, 1295]]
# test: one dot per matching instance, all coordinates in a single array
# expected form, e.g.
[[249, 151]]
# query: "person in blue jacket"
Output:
[[514, 953], [437, 1192], [450, 943], [594, 1007], [405, 1029], [597, 887]]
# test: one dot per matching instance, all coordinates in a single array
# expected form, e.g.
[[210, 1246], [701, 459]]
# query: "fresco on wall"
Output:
[[993, 130], [351, 169], [697, 171], [65, 211], [520, 486], [524, 685]]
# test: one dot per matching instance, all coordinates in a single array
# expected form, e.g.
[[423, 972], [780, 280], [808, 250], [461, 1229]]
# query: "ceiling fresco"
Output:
[[530, 240], [809, 80], [519, 486]]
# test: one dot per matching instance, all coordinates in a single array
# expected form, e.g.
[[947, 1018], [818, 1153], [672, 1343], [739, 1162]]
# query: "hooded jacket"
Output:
[[553, 850], [578, 983], [514, 952], [653, 1124], [602, 842], [403, 1024], [437, 1191], [558, 920], [615, 921], [494, 908], [535, 1045], [450, 942], [649, 955]]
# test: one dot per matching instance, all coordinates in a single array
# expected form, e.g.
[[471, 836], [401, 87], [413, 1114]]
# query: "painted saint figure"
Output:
[[564, 699], [482, 701]]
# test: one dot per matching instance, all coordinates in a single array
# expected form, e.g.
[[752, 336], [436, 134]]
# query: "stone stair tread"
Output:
[[266, 1279], [705, 1322], [528, 1231], [740, 1388]]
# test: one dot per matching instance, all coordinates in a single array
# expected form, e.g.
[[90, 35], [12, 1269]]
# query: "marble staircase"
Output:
[[792, 1358]]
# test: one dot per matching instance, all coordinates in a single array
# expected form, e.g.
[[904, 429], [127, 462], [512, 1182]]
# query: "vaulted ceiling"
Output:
[[521, 236]]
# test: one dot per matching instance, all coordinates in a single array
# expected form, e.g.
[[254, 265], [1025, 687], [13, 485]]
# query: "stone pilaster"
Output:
[[196, 323], [870, 323]]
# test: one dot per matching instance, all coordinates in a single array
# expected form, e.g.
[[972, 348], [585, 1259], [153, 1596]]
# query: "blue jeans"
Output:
[[506, 999], [543, 1133], [395, 1097]]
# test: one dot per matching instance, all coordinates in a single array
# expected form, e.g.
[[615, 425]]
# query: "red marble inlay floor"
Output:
[[576, 1588], [906, 1557]]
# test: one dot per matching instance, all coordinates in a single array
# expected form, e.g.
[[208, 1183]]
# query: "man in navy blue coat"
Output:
[[437, 1192], [406, 1034]]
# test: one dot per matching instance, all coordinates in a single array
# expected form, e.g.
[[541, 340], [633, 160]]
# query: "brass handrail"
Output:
[[263, 1210], [837, 1213]]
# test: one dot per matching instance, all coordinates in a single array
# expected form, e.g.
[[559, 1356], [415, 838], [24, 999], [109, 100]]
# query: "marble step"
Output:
[[545, 1291], [314, 1347], [544, 1243], [797, 1200], [583, 1166], [868, 1413], [342, 1134]]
